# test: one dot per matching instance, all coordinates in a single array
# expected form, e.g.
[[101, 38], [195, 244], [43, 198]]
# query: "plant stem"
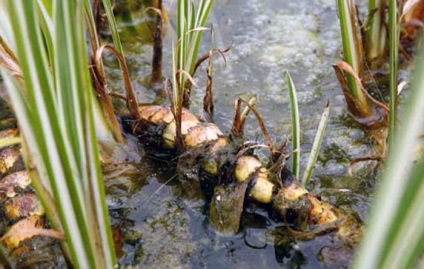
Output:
[[157, 50], [394, 55], [352, 52], [375, 33]]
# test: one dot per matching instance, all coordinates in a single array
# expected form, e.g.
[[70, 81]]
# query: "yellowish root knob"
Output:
[[246, 166], [210, 166], [262, 191], [293, 192], [201, 134], [188, 121], [154, 114], [322, 212]]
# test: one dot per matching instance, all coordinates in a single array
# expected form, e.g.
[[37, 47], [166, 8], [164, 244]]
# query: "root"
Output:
[[233, 176]]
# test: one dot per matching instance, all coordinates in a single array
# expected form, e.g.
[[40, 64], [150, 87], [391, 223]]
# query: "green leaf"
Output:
[[295, 121], [394, 61], [394, 235], [55, 114], [352, 46], [316, 146]]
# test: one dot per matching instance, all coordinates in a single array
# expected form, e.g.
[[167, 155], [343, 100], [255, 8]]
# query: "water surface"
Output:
[[268, 38]]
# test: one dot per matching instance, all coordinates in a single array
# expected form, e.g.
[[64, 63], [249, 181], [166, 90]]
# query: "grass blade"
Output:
[[190, 25], [394, 55], [375, 33], [132, 103], [352, 51], [54, 112], [316, 146], [112, 25], [396, 216], [295, 121]]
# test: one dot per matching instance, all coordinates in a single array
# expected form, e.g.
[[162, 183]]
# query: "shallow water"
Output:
[[161, 229]]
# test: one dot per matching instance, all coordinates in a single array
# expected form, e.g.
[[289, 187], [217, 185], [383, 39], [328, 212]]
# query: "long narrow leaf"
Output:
[[112, 25], [190, 25], [316, 146], [55, 115], [394, 52], [396, 217], [352, 48], [375, 32], [295, 121], [29, 130]]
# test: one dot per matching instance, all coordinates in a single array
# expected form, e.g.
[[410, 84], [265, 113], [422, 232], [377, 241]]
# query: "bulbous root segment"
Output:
[[237, 178], [292, 199]]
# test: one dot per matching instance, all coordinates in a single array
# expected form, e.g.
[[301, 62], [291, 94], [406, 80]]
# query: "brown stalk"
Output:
[[261, 125], [208, 106], [237, 128], [117, 95], [157, 48], [246, 111], [276, 155], [132, 103], [98, 18], [348, 69], [106, 103], [98, 76], [352, 105], [361, 28], [177, 113], [206, 56], [369, 116], [99, 84], [179, 109]]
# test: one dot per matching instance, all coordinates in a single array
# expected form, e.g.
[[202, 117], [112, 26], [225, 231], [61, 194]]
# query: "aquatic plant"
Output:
[[53, 99], [350, 71], [395, 233], [372, 37], [294, 111], [190, 25], [381, 28], [212, 163], [394, 62], [295, 121], [316, 145], [352, 52], [375, 42]]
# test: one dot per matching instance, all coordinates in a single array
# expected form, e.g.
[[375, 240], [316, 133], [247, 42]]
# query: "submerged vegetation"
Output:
[[62, 125]]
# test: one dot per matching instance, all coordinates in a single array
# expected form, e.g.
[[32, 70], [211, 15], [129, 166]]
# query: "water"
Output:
[[161, 229]]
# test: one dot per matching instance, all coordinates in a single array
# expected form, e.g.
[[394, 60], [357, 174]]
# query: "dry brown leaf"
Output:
[[13, 237]]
